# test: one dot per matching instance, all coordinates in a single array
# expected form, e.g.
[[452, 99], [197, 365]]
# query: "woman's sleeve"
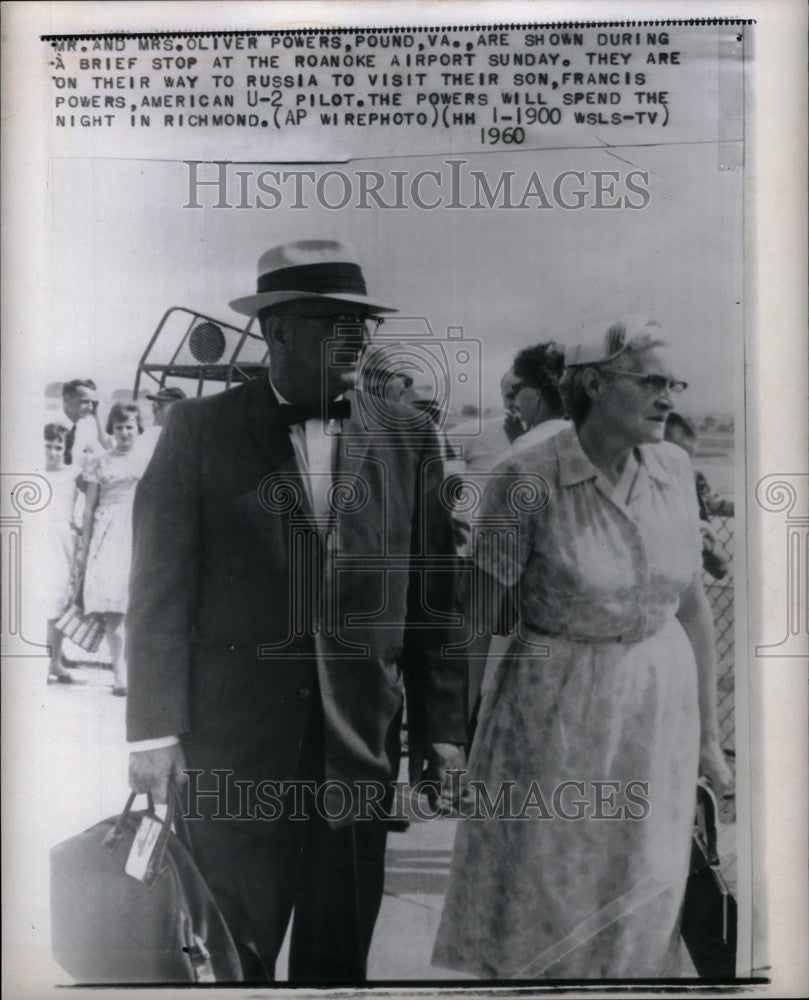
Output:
[[503, 535]]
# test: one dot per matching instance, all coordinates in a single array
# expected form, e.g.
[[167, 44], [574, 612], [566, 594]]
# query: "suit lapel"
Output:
[[272, 439]]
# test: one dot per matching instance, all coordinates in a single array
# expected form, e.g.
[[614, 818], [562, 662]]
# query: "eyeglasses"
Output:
[[657, 384], [344, 325]]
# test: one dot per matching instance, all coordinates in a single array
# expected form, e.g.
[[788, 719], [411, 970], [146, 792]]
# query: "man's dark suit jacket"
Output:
[[217, 515]]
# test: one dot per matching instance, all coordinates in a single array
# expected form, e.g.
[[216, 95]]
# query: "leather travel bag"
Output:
[[161, 925]]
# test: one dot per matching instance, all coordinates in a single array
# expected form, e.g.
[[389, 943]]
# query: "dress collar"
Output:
[[575, 466]]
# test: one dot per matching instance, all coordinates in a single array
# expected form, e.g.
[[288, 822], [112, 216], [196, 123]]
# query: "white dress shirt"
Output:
[[85, 442], [314, 444], [315, 447]]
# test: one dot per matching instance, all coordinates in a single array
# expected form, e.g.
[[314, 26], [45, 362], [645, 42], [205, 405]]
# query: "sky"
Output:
[[123, 249]]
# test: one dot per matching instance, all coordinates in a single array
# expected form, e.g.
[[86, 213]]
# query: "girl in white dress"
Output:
[[111, 480]]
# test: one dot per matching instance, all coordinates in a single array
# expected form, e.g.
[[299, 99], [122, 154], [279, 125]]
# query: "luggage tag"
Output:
[[143, 847]]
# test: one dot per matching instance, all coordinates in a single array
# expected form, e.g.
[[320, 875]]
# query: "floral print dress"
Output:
[[589, 731], [106, 579]]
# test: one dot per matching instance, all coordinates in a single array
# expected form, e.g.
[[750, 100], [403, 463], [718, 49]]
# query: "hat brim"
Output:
[[581, 355], [249, 305]]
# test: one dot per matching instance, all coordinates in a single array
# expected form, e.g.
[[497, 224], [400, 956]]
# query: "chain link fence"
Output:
[[720, 594]]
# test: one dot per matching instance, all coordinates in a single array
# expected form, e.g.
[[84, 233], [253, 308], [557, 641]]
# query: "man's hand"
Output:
[[431, 762], [152, 770], [714, 766]]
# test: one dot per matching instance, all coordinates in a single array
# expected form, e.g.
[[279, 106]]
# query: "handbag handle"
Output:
[[706, 802]]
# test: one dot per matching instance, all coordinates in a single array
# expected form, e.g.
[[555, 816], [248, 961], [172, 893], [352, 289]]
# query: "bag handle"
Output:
[[180, 827], [120, 823], [172, 817]]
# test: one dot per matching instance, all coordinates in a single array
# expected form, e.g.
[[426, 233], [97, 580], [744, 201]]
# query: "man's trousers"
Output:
[[330, 879]]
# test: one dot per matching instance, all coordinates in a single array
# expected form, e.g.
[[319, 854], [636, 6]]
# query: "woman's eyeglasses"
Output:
[[657, 384]]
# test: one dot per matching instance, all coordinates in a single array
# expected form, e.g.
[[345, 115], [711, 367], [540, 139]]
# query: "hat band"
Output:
[[322, 279]]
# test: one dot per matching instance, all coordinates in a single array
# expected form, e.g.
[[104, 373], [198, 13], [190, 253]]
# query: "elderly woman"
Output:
[[574, 858], [107, 550]]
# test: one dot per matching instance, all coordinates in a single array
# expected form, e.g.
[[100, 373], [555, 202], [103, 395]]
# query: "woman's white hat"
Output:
[[632, 333], [308, 269]]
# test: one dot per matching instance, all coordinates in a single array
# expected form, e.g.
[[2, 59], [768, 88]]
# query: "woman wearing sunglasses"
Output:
[[573, 859]]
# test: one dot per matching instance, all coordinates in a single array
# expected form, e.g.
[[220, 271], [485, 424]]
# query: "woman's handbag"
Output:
[[709, 910], [128, 905], [713, 562], [86, 631]]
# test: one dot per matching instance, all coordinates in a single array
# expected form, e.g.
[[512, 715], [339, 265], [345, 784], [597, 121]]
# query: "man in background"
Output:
[[161, 401], [85, 433]]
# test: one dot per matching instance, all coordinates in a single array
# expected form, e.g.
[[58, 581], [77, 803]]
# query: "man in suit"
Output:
[[292, 568]]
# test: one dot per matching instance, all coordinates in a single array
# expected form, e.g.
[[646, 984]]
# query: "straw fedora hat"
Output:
[[308, 269]]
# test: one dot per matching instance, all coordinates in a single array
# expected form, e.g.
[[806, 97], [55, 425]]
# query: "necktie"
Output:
[[70, 439], [339, 409]]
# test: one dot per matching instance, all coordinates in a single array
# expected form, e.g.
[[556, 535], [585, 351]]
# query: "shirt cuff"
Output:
[[159, 743]]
